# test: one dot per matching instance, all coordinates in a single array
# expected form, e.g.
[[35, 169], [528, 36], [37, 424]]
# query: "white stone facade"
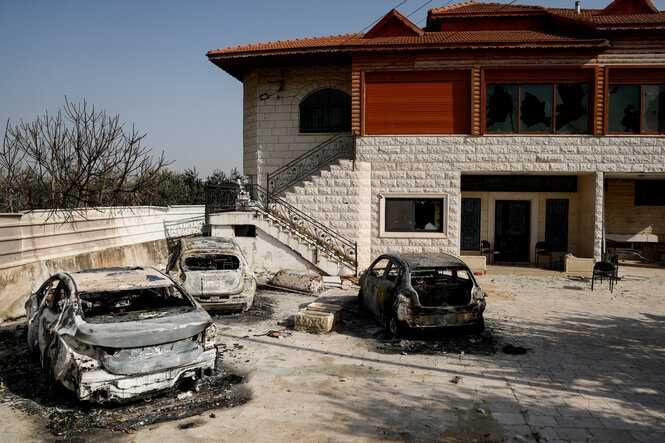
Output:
[[347, 195], [271, 114]]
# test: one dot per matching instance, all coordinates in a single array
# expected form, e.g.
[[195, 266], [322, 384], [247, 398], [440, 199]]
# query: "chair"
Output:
[[615, 261], [604, 269], [543, 250], [485, 249]]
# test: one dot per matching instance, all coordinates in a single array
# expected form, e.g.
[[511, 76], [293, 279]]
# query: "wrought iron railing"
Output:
[[341, 146], [236, 197]]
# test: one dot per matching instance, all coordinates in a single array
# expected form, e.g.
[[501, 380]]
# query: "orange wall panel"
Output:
[[418, 104]]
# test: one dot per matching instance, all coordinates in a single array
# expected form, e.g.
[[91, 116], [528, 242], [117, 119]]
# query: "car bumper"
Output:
[[229, 302], [423, 318], [102, 386]]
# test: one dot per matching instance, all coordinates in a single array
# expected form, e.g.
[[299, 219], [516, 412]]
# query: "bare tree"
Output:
[[79, 157]]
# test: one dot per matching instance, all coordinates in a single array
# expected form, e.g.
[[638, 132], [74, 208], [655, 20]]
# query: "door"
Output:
[[512, 230], [470, 227]]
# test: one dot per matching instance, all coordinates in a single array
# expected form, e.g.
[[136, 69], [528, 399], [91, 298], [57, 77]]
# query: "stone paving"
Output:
[[593, 372]]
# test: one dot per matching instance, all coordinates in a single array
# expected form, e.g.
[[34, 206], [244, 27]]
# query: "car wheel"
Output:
[[395, 327], [479, 325], [361, 301]]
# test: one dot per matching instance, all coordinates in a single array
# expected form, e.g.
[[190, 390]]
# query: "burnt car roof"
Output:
[[118, 279], [210, 243], [429, 260]]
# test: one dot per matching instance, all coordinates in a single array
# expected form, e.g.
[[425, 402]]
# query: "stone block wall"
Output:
[[626, 218], [435, 164], [339, 197], [271, 114]]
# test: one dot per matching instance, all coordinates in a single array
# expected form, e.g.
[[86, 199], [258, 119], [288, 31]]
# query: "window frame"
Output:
[[329, 129], [553, 83], [641, 84], [413, 196]]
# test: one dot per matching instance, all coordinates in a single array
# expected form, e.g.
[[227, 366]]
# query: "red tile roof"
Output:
[[484, 8], [357, 42]]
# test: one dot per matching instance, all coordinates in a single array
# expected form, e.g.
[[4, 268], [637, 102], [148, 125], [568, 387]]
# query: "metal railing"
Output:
[[235, 197], [336, 147]]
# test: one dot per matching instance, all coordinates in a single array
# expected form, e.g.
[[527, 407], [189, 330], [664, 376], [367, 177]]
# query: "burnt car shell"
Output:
[[117, 334], [421, 291], [214, 271]]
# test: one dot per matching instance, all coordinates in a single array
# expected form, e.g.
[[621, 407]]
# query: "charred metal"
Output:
[[214, 271], [116, 334], [421, 291]]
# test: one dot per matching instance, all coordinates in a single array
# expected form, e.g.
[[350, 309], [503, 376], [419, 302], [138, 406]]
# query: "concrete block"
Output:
[[326, 308], [579, 267], [314, 321]]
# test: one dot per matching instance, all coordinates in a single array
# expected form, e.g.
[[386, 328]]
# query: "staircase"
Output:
[[319, 245]]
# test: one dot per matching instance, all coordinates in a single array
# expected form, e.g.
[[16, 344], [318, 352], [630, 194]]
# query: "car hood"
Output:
[[134, 334]]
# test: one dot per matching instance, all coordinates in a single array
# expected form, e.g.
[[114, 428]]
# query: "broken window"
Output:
[[542, 108], [653, 108], [635, 109], [536, 108], [501, 110], [211, 262], [624, 109], [132, 304], [380, 268], [327, 110], [414, 215], [439, 287]]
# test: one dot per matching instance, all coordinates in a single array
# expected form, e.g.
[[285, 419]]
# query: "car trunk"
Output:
[[442, 287], [213, 274]]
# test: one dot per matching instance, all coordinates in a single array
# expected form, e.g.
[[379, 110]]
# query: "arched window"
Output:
[[327, 110]]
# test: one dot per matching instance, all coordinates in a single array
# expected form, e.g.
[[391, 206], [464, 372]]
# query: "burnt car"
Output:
[[115, 334], [214, 271], [422, 291]]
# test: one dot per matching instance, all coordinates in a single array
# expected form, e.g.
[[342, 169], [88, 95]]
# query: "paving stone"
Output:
[[508, 418], [542, 420], [580, 434]]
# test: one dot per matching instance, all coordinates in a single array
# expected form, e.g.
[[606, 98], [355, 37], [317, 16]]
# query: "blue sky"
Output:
[[145, 60]]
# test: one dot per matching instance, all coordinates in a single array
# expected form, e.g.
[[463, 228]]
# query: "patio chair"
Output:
[[604, 269], [485, 249], [543, 250], [615, 261]]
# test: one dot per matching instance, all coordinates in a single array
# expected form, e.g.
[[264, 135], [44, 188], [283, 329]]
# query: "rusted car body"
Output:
[[115, 334], [421, 291], [214, 271]]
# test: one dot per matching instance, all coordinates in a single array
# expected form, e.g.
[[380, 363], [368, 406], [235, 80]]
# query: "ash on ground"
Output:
[[262, 309], [23, 385], [454, 340]]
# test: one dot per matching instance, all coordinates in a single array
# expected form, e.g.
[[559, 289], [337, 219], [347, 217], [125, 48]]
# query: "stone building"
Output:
[[501, 122]]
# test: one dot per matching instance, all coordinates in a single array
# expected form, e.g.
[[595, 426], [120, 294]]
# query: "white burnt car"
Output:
[[214, 271], [114, 334]]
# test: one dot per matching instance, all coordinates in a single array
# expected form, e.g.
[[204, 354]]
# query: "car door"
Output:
[[371, 283], [34, 307], [49, 319], [389, 282]]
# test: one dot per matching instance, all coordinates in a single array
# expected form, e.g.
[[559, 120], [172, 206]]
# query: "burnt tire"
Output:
[[394, 326], [478, 326]]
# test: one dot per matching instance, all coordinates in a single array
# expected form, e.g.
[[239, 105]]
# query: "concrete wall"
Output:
[[262, 252], [640, 223], [434, 164], [271, 137], [37, 244]]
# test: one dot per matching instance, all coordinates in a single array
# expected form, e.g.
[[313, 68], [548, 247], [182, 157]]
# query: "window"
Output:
[[327, 110], [635, 109], [380, 267], [470, 229], [414, 215], [560, 108], [649, 192], [556, 224]]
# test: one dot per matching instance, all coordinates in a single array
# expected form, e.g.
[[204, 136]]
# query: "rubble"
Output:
[[318, 317], [306, 282]]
